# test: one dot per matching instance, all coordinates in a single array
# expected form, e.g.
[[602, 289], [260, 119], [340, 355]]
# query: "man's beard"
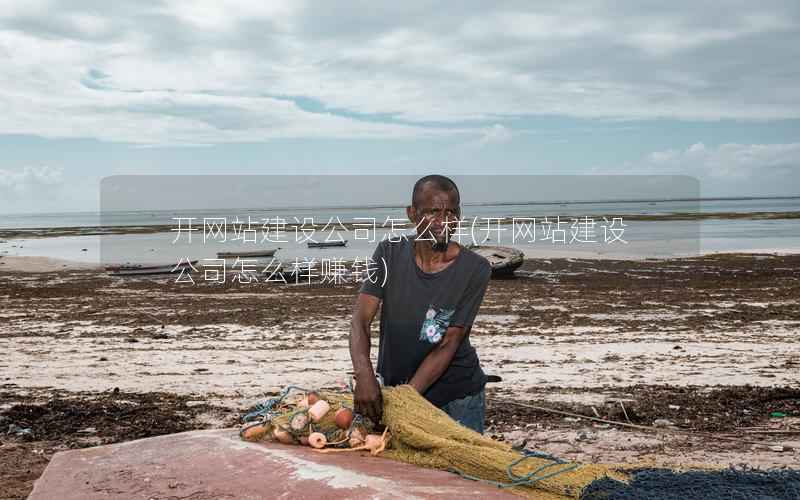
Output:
[[441, 246]]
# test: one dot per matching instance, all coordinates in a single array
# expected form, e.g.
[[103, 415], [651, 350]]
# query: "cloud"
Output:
[[728, 161], [29, 178], [203, 71], [496, 134]]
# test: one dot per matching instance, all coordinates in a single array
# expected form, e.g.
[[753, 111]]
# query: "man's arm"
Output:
[[367, 398], [437, 361]]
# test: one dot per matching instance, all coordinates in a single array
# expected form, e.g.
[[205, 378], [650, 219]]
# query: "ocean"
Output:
[[345, 214], [638, 239]]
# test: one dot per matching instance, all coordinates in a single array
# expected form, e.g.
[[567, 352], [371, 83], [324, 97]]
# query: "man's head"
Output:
[[435, 208]]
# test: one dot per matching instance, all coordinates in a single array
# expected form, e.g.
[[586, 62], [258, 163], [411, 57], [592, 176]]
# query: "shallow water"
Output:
[[642, 239]]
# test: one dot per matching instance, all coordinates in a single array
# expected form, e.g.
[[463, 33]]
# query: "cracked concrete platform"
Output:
[[216, 464]]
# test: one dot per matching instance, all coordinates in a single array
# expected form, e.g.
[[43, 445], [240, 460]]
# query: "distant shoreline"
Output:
[[468, 204], [98, 230]]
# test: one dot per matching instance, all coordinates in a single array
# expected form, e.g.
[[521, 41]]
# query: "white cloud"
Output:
[[203, 71], [29, 178], [729, 162], [495, 134]]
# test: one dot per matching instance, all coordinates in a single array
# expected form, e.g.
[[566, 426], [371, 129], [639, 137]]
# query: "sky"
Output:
[[91, 89]]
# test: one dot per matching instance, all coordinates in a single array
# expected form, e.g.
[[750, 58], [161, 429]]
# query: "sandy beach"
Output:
[[707, 343], [629, 173]]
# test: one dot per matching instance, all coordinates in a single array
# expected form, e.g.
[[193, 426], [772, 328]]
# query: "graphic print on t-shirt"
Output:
[[435, 325]]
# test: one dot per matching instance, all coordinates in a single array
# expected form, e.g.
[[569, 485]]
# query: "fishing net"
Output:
[[418, 433]]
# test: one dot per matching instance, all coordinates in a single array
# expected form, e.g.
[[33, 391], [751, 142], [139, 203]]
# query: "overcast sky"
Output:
[[96, 88]]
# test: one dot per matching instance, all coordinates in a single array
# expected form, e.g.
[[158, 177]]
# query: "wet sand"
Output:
[[567, 333]]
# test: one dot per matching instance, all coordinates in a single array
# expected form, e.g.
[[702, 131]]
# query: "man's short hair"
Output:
[[440, 182]]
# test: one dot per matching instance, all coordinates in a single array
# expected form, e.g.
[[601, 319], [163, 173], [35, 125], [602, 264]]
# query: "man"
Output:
[[431, 289]]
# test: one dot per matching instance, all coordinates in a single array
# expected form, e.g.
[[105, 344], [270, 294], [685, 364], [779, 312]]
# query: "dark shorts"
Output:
[[469, 411]]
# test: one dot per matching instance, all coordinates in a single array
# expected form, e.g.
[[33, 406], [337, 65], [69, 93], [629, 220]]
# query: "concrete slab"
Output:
[[216, 464]]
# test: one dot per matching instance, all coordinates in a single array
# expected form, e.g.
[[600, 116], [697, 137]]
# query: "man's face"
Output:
[[436, 216]]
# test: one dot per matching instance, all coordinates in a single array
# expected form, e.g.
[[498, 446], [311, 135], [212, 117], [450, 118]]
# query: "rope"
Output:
[[264, 409], [528, 479]]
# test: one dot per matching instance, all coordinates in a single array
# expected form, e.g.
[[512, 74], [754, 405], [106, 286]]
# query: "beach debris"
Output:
[[517, 438], [624, 412], [586, 435], [777, 414], [23, 432], [662, 422]]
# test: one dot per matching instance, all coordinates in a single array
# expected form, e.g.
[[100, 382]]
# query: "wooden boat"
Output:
[[267, 252], [326, 244], [141, 269], [218, 464], [504, 260]]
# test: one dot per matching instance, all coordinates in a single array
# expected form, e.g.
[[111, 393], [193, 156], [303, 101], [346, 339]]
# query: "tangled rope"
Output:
[[528, 479]]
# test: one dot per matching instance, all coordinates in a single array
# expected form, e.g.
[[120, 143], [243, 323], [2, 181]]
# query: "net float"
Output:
[[318, 410], [254, 432], [282, 436], [317, 440], [343, 418], [299, 421]]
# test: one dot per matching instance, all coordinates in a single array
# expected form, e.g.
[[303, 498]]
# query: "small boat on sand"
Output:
[[326, 244], [141, 269], [267, 252], [504, 260]]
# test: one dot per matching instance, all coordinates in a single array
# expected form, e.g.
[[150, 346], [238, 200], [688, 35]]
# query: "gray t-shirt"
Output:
[[417, 309]]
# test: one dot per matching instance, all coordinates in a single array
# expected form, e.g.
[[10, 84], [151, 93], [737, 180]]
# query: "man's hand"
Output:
[[368, 400]]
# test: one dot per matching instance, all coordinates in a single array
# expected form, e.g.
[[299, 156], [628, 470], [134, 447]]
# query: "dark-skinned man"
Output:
[[431, 289]]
